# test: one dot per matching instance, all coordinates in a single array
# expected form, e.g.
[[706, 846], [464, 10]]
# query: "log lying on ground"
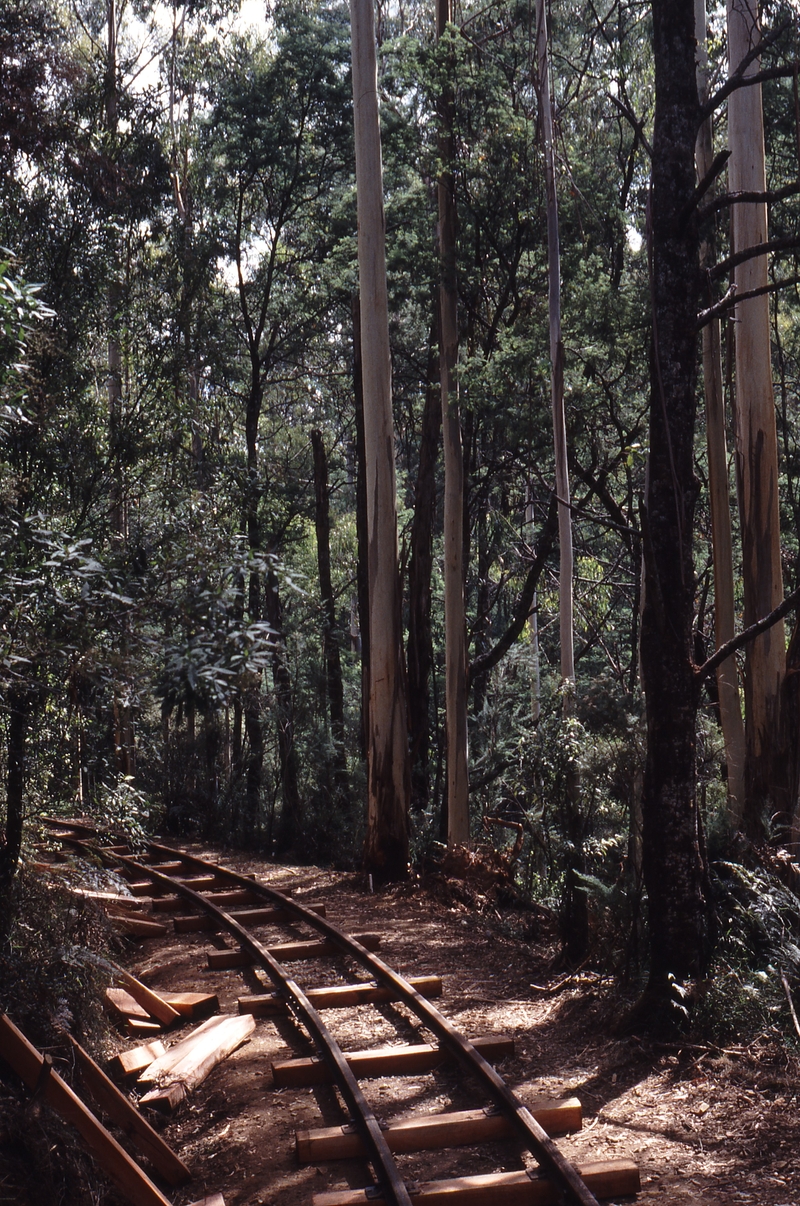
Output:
[[121, 1111], [32, 1068], [189, 1062]]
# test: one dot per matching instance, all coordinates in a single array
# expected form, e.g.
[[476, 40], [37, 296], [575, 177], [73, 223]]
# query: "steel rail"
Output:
[[383, 1162], [528, 1130]]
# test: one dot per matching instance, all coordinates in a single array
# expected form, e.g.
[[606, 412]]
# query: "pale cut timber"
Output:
[[192, 1004], [122, 1112], [135, 1186], [138, 927], [204, 1056], [155, 1005], [605, 1179], [429, 1132], [138, 1058], [312, 949], [137, 1028], [382, 1061], [247, 917], [216, 1199], [169, 1058], [337, 996], [123, 1004], [112, 900]]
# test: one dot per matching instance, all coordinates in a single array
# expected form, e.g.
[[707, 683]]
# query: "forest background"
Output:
[[184, 585]]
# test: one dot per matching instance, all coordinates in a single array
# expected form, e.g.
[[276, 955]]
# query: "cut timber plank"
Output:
[[381, 1061], [205, 1052], [287, 951], [429, 1132], [339, 996], [605, 1178], [195, 921], [120, 1110], [168, 1059], [216, 1199], [126, 1174], [236, 896], [192, 1004], [113, 901], [135, 1026], [123, 1004], [138, 927], [155, 1005], [138, 1058]]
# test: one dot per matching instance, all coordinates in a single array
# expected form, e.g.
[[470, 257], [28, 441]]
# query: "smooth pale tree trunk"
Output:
[[362, 534], [455, 621], [718, 484], [576, 915], [533, 630], [388, 775], [756, 438]]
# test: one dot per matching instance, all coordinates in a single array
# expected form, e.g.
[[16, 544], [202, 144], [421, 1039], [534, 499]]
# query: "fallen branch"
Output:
[[787, 990]]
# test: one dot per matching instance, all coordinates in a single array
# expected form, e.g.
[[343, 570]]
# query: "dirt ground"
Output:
[[705, 1125]]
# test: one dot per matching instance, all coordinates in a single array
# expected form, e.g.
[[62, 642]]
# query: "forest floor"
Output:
[[705, 1125]]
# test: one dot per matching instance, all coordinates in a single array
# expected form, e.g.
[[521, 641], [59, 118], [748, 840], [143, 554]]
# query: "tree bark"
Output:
[[672, 865], [289, 828], [455, 622], [334, 686], [756, 440], [18, 712], [718, 484], [419, 645], [388, 777]]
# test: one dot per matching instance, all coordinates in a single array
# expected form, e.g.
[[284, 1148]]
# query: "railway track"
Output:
[[251, 919]]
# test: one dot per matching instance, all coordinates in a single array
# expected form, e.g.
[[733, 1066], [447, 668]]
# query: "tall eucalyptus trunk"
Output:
[[388, 777], [718, 482], [455, 621], [756, 439]]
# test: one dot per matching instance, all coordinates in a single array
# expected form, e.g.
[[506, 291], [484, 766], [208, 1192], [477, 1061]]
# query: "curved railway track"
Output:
[[212, 897]]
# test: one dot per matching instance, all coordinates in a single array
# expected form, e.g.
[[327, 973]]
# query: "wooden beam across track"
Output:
[[31, 1067], [605, 1178], [286, 952], [337, 996], [382, 1061], [570, 1183], [263, 916], [432, 1132]]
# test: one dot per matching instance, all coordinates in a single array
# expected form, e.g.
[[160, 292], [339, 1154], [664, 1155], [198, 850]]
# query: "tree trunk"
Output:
[[289, 827], [718, 484], [756, 440], [330, 644], [420, 566], [670, 839], [362, 536], [388, 781], [18, 711], [455, 622]]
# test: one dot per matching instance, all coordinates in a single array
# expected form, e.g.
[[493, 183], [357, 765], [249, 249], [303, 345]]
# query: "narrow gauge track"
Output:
[[172, 871]]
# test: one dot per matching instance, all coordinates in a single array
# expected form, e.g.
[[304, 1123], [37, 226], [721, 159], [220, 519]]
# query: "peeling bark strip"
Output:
[[388, 784], [672, 864]]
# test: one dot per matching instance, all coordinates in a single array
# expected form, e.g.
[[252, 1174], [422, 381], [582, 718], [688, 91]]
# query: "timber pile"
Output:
[[178, 1071]]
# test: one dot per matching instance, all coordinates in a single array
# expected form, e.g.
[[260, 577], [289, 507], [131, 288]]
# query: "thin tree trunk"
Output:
[[719, 491], [576, 912], [362, 535], [454, 605], [388, 780], [18, 712], [756, 438], [289, 828], [420, 565], [330, 644]]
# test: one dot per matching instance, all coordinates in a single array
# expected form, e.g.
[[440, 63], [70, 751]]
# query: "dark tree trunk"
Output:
[[420, 565], [18, 712], [673, 871], [289, 829], [330, 643], [362, 578]]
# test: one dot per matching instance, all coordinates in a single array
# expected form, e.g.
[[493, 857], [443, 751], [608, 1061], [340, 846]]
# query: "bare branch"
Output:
[[786, 243], [732, 297], [636, 122], [740, 80], [770, 197], [749, 634], [717, 165]]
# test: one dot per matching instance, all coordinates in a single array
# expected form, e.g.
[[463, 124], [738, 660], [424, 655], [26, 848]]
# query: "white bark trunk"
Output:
[[756, 438], [386, 850], [719, 491]]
